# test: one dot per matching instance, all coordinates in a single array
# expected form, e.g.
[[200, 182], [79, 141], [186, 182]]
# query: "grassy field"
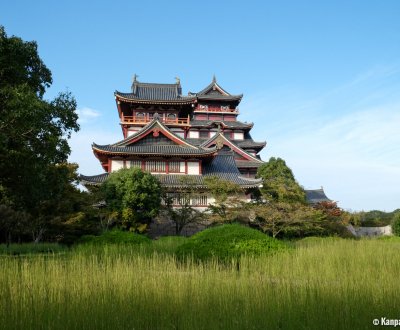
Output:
[[321, 284]]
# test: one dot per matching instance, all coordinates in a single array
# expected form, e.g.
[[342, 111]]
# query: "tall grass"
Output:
[[330, 284]]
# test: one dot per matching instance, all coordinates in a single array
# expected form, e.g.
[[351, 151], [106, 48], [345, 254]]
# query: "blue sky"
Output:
[[321, 80]]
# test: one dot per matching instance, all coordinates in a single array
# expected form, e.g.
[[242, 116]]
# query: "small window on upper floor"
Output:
[[237, 135]]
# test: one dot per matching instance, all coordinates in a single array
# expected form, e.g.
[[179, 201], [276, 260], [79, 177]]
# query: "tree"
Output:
[[228, 206], [179, 206], [279, 184], [33, 131], [134, 194], [396, 224], [292, 219]]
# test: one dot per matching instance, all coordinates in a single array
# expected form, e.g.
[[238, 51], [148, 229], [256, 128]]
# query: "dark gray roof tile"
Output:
[[223, 166], [227, 124], [315, 196], [155, 149]]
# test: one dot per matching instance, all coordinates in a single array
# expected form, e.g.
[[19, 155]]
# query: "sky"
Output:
[[321, 79]]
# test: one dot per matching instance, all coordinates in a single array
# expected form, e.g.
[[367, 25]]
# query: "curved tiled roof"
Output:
[[315, 196], [231, 145], [222, 166], [156, 93], [172, 93], [227, 124], [155, 149], [248, 143], [214, 91], [247, 164], [149, 126], [93, 179]]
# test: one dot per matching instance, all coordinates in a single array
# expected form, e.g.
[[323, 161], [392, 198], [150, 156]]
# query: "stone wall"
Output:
[[370, 231], [163, 226]]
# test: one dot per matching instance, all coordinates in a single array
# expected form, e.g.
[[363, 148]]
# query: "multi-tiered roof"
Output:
[[170, 135]]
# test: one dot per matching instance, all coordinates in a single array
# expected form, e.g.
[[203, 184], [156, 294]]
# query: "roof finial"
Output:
[[214, 78], [135, 76], [178, 80]]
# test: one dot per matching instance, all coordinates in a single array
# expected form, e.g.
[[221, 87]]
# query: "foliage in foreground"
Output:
[[116, 236], [305, 289], [228, 242], [396, 224], [31, 248], [134, 195]]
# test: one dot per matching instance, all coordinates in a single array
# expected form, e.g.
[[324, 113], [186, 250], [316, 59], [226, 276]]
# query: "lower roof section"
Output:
[[316, 196], [222, 166]]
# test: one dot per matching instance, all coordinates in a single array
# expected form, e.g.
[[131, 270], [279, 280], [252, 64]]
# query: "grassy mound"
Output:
[[115, 237], [228, 242], [31, 248]]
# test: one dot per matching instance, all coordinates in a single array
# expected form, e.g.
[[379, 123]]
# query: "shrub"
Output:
[[116, 237], [31, 248], [396, 224], [228, 242]]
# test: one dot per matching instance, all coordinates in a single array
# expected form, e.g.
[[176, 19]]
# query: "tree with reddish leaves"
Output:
[[329, 208]]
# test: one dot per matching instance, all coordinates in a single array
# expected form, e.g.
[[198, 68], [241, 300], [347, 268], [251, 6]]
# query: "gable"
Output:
[[221, 142], [152, 139], [214, 91]]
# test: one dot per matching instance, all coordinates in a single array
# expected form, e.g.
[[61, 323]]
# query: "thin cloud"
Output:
[[85, 114], [347, 139]]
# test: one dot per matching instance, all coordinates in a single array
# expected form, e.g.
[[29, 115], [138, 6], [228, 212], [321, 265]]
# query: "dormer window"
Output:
[[238, 135]]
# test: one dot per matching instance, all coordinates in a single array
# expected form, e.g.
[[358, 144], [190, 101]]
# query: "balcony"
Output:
[[216, 109], [143, 120]]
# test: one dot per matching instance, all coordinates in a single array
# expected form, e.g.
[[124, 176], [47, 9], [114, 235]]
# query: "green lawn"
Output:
[[320, 284]]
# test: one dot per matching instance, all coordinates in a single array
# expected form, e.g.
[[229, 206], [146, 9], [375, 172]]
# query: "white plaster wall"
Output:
[[238, 136], [182, 167], [193, 168], [131, 132], [116, 165], [194, 134]]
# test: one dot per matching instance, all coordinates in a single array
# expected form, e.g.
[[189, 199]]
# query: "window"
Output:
[[140, 115], [193, 134], [238, 135], [155, 166], [171, 116], [136, 163], [174, 167], [199, 200]]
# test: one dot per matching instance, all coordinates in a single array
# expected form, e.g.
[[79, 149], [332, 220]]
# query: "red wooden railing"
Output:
[[215, 109], [147, 119]]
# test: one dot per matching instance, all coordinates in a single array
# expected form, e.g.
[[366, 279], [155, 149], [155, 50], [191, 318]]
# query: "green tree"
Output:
[[179, 205], [287, 219], [396, 224], [279, 183], [228, 206], [134, 194], [33, 131]]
